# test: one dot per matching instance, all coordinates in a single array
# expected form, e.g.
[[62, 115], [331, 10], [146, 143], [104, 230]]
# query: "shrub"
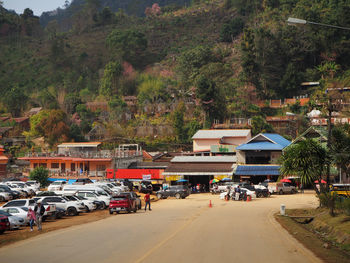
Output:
[[41, 175]]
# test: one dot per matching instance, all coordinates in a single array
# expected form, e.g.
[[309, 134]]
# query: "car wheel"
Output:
[[159, 196], [281, 192], [103, 206], [294, 191], [72, 211], [2, 231], [110, 212], [178, 196], [43, 219], [87, 209], [135, 209], [128, 211], [259, 195], [2, 199]]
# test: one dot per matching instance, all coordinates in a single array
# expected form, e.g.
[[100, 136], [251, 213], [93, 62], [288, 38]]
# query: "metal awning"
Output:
[[256, 170]]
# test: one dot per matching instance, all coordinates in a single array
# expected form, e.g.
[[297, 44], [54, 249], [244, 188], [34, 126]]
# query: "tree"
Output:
[[307, 159], [231, 29], [41, 175], [109, 81], [212, 99], [129, 44], [151, 89], [179, 123], [340, 149], [15, 100], [27, 13], [259, 125]]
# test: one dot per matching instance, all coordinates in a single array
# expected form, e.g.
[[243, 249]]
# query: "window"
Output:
[[101, 168], [43, 165], [16, 203], [55, 165], [90, 195], [12, 210]]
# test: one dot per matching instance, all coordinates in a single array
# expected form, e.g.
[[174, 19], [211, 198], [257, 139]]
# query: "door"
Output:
[[63, 167]]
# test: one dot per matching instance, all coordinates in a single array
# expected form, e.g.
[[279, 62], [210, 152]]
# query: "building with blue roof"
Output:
[[258, 158]]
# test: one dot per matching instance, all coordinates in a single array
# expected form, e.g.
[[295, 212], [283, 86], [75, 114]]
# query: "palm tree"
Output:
[[307, 159]]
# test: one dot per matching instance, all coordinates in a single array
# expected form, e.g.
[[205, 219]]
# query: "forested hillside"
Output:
[[187, 64]]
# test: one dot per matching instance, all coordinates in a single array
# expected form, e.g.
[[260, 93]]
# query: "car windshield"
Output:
[[2, 212], [56, 183]]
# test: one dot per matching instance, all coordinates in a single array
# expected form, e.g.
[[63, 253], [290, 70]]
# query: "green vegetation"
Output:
[[41, 175], [219, 57]]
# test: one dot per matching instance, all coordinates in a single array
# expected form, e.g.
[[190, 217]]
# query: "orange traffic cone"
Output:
[[210, 205], [249, 198]]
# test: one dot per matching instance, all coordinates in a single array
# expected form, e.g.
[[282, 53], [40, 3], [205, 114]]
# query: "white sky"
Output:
[[38, 6]]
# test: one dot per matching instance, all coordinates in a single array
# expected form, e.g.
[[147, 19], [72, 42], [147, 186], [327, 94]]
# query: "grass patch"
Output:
[[322, 230]]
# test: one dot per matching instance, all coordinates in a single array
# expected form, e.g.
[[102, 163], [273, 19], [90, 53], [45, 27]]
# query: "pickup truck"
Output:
[[122, 203], [50, 209], [281, 188], [72, 208]]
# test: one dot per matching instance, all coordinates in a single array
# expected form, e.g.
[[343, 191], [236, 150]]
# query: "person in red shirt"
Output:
[[148, 201]]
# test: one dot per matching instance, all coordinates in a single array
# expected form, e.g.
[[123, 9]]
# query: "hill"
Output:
[[184, 67]]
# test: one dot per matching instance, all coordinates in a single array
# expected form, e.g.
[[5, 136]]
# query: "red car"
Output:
[[122, 203], [4, 224]]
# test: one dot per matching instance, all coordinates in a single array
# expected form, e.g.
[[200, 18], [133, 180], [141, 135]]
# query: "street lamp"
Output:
[[298, 21]]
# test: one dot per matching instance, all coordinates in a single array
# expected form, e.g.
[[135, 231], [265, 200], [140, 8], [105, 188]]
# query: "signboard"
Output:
[[222, 148], [146, 177], [173, 178]]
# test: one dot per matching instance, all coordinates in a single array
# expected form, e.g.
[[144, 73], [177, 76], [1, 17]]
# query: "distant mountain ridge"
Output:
[[130, 7]]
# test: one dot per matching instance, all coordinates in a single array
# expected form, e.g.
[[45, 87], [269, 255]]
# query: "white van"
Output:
[[72, 189]]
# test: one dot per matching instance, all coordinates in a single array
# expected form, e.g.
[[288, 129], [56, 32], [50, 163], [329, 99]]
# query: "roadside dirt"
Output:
[[24, 233], [12, 236], [316, 243]]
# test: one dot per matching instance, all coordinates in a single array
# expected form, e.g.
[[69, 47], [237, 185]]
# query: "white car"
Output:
[[50, 210], [33, 184], [91, 195], [71, 207], [249, 193], [15, 222], [89, 204], [20, 212], [22, 186], [56, 186], [4, 195]]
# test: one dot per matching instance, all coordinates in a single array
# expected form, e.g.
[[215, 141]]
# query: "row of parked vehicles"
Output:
[[68, 200], [261, 190]]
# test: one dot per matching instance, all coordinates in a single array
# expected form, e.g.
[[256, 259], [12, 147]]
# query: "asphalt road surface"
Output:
[[175, 231]]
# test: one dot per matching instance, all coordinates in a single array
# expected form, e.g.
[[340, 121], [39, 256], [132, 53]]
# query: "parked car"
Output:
[[14, 194], [4, 195], [134, 196], [56, 186], [145, 187], [4, 224], [72, 208], [20, 212], [282, 188], [122, 203], [15, 222], [34, 184], [50, 209], [92, 195], [259, 191], [89, 204], [83, 181], [178, 191]]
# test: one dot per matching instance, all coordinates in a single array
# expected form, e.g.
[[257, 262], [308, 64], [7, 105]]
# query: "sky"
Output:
[[38, 6]]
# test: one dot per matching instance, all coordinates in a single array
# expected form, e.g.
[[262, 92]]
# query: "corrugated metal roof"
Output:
[[260, 146], [256, 170], [204, 159], [218, 134], [272, 141], [277, 139]]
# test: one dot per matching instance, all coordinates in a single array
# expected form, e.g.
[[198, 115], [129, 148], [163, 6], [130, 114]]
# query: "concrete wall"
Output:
[[240, 157], [204, 144], [236, 140]]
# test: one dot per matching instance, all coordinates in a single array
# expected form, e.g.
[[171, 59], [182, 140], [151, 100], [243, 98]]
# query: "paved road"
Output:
[[175, 231]]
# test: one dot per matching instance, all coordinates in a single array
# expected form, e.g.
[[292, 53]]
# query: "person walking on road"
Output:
[[31, 217], [39, 210], [148, 201]]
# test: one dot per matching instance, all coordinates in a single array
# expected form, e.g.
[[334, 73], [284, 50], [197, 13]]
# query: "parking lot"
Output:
[[184, 230]]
